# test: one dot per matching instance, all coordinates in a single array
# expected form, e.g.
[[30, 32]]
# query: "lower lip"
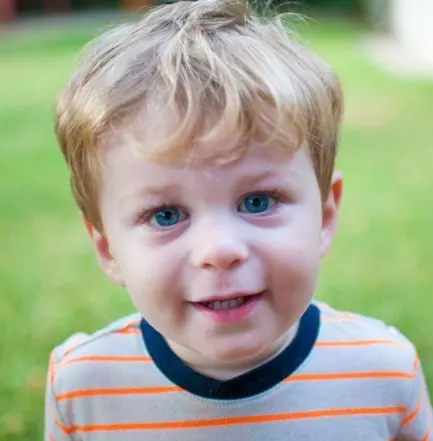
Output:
[[234, 314]]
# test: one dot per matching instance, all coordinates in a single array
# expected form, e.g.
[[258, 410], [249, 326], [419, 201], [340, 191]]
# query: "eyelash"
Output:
[[274, 194], [146, 216]]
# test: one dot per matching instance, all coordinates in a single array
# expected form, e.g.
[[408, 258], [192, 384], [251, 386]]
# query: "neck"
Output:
[[227, 372]]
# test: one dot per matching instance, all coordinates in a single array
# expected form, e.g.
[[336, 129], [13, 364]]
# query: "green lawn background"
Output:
[[381, 263]]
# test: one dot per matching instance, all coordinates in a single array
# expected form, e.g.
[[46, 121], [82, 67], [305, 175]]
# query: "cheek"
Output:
[[295, 257], [150, 274], [294, 281], [297, 261]]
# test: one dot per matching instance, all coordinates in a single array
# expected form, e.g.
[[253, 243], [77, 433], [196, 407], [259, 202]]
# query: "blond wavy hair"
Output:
[[224, 72]]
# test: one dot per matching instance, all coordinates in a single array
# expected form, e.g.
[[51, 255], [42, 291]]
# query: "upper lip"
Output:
[[228, 296]]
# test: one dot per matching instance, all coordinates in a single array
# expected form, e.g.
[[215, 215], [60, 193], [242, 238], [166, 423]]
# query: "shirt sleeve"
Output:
[[416, 424], [55, 427]]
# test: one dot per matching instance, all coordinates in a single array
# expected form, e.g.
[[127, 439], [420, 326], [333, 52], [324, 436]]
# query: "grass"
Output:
[[50, 286]]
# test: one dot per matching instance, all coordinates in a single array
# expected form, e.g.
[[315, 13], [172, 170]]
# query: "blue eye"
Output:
[[167, 217], [257, 203]]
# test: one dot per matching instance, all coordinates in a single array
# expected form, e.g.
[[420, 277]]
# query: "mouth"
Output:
[[229, 303], [223, 305], [230, 309]]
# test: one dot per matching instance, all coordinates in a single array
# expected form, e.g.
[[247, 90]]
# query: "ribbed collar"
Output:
[[251, 383]]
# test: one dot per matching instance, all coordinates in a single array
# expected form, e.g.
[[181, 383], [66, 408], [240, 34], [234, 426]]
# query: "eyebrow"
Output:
[[158, 190], [174, 190], [258, 177], [251, 179], [149, 191]]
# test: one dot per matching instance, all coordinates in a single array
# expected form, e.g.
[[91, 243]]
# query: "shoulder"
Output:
[[365, 343], [83, 360], [101, 341]]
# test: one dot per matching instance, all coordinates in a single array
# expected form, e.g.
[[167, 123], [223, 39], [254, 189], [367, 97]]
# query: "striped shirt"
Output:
[[343, 377]]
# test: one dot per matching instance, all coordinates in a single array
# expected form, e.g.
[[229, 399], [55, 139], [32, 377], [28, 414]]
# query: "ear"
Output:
[[104, 257], [330, 213]]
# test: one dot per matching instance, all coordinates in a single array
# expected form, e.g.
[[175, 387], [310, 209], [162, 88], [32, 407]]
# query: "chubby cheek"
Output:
[[151, 277], [293, 265], [299, 271]]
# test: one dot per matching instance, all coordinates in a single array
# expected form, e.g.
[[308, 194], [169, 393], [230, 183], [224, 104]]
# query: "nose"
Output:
[[219, 247]]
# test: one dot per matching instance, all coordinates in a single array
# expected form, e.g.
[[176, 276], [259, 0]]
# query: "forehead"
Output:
[[124, 168], [158, 133], [138, 154]]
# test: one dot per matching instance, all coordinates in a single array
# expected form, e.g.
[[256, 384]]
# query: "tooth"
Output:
[[240, 301], [233, 303], [217, 305]]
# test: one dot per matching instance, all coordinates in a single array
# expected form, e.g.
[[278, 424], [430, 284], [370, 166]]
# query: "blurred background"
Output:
[[382, 261]]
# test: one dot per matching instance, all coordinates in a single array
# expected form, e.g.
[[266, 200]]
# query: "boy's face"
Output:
[[221, 259]]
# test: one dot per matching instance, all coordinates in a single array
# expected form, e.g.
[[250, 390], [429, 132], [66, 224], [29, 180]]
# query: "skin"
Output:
[[256, 225]]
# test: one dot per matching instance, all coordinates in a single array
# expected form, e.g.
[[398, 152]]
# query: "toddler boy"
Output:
[[201, 144]]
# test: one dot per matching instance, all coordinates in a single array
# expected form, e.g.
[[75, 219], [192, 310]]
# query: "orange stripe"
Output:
[[129, 328], [50, 411], [74, 344], [325, 307], [427, 436], [338, 318], [51, 373], [68, 351], [107, 358], [128, 331], [71, 347], [415, 364], [349, 376], [120, 391], [415, 412], [330, 344], [170, 389], [134, 322], [251, 419]]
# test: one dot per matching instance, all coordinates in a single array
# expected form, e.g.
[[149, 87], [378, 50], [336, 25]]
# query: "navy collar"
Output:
[[246, 385]]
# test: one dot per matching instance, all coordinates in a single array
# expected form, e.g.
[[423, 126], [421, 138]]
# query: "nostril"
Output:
[[224, 262], [220, 252], [215, 260]]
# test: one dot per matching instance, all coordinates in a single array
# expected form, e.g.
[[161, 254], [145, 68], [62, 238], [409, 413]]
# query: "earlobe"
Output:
[[104, 257], [330, 213]]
